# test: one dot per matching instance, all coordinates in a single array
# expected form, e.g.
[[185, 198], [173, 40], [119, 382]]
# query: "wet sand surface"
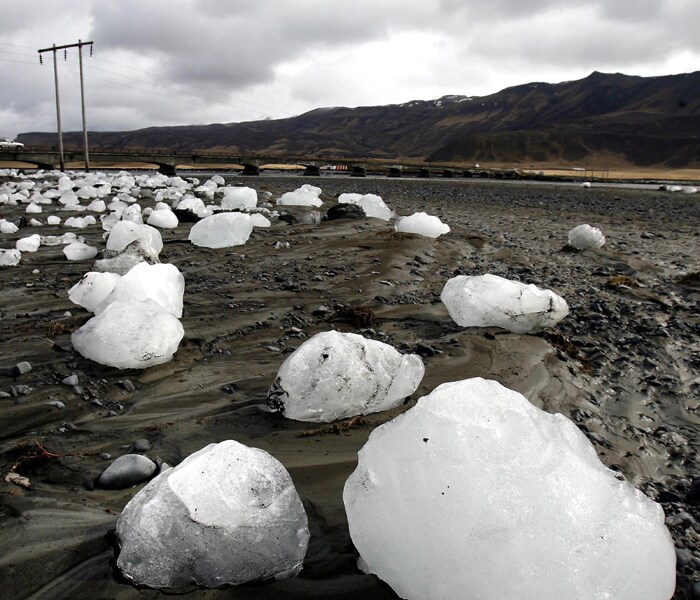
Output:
[[623, 365]]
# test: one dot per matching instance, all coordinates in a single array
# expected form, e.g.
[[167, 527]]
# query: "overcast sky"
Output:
[[178, 62]]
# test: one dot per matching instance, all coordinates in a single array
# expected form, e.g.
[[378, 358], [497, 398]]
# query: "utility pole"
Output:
[[53, 49]]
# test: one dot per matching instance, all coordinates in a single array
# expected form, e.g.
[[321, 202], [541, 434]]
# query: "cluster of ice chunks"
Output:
[[222, 230], [227, 514], [493, 301], [130, 334], [306, 195], [476, 493], [422, 224], [372, 204], [337, 375], [584, 237]]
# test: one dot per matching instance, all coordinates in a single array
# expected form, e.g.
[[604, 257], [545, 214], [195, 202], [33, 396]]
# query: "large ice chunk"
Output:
[[226, 515], [337, 375], [584, 237], [165, 219], [10, 258], [492, 301], [372, 204], [422, 224], [123, 261], [161, 282], [92, 289], [79, 251], [28, 244], [221, 230], [125, 232], [239, 197], [476, 493], [130, 335], [306, 195]]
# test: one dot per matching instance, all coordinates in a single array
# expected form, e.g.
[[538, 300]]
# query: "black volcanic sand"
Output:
[[623, 365]]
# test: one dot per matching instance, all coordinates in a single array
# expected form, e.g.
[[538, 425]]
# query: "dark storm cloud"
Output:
[[163, 62]]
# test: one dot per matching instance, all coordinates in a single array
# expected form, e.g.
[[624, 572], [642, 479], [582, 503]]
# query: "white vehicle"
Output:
[[10, 144]]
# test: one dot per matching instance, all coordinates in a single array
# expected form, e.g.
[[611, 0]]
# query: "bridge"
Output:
[[167, 162]]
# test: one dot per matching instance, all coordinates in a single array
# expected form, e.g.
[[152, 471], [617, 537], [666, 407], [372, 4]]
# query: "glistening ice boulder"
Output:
[[162, 283], [221, 230], [130, 335], [125, 232], [79, 251], [306, 195], [239, 197], [492, 301], [338, 375], [584, 237], [476, 493], [422, 224], [225, 515], [92, 289]]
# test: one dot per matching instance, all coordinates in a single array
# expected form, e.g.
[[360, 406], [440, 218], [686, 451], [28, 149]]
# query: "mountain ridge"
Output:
[[616, 118]]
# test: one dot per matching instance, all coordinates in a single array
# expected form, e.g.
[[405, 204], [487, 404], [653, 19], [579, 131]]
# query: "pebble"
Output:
[[127, 385], [105, 455], [70, 380], [23, 367], [126, 471], [141, 445], [56, 403], [20, 390]]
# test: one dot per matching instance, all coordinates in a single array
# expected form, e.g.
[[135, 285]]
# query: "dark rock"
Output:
[[693, 496], [126, 471], [142, 445], [345, 211]]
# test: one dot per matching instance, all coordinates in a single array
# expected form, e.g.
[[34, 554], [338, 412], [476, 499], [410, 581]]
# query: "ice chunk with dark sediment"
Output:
[[493, 301], [337, 375], [476, 493], [222, 230], [372, 204], [123, 261], [124, 233], [227, 514], [584, 237], [130, 335]]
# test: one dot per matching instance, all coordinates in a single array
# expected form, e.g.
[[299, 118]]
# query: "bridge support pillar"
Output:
[[448, 173], [395, 172], [312, 171], [167, 169], [357, 171], [45, 166], [424, 173], [249, 169]]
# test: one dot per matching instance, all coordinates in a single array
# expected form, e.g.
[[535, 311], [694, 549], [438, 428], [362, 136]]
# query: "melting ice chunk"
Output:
[[130, 335], [476, 493], [221, 230], [337, 375], [422, 224], [92, 289], [226, 515], [492, 301], [125, 232], [306, 195], [162, 283], [372, 204], [584, 237]]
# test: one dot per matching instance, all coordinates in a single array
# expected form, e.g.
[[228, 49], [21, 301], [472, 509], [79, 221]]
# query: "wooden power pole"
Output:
[[54, 49]]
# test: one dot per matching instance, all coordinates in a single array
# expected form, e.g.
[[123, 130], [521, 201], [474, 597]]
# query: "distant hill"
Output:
[[611, 118]]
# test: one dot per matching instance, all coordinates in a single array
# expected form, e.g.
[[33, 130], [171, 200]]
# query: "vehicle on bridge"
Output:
[[10, 144]]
